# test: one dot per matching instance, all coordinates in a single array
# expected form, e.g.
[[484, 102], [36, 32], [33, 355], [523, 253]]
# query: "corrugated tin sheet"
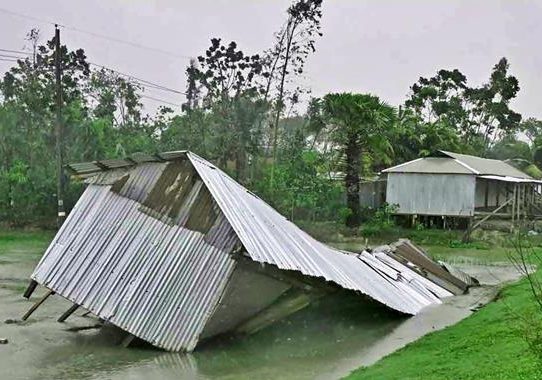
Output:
[[270, 238], [437, 165], [432, 194], [149, 247], [486, 166], [510, 179], [455, 163], [152, 277]]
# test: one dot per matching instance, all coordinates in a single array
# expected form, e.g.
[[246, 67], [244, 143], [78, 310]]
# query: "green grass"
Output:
[[486, 247], [487, 345], [16, 245]]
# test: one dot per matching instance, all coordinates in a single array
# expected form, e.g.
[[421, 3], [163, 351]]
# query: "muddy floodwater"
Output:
[[325, 341]]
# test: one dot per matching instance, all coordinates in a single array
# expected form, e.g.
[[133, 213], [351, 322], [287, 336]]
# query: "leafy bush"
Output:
[[381, 221]]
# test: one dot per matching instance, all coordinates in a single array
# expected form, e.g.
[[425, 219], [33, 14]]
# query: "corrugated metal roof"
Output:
[[438, 165], [149, 247], [270, 238], [486, 166], [455, 163], [511, 179]]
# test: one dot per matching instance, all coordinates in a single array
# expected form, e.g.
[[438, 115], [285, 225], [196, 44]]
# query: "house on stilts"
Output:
[[462, 186]]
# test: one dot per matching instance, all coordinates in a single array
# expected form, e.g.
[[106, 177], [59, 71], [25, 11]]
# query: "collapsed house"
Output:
[[172, 250]]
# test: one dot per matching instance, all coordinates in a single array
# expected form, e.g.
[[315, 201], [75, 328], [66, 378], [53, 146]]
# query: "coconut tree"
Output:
[[359, 126]]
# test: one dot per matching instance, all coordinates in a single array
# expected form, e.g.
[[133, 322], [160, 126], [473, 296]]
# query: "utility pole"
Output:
[[59, 132]]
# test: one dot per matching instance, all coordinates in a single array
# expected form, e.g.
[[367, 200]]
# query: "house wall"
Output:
[[492, 188], [246, 294], [372, 194], [432, 194]]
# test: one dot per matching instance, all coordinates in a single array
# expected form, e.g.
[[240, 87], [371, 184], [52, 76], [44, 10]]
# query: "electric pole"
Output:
[[59, 132]]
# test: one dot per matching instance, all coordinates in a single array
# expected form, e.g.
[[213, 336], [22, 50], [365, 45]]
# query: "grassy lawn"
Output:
[[17, 245], [487, 345]]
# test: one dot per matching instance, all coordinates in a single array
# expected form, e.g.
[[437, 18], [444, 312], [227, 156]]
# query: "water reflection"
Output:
[[310, 344]]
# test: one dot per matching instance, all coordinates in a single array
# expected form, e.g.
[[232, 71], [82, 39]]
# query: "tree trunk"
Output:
[[351, 181], [240, 163]]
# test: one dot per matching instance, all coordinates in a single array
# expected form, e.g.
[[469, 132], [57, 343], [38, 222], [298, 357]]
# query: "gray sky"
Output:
[[377, 46]]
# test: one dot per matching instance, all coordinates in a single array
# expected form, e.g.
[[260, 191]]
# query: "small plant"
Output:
[[381, 221], [344, 213]]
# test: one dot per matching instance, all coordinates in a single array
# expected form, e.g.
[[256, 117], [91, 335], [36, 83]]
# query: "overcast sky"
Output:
[[377, 46]]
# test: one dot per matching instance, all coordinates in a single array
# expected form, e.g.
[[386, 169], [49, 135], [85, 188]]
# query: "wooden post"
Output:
[[37, 304], [31, 287], [514, 206], [67, 313]]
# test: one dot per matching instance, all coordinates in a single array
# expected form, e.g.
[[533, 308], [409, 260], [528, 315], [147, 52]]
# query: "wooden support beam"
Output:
[[67, 313], [471, 228], [37, 304], [31, 287]]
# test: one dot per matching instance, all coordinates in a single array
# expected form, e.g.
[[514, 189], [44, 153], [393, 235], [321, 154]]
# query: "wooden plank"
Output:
[[67, 313], [31, 287], [37, 304], [413, 254]]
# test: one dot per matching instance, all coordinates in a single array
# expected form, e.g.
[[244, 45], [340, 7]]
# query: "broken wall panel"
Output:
[[158, 281]]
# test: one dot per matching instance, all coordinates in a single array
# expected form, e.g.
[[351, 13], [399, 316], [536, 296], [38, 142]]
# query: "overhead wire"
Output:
[[160, 100], [143, 82], [12, 56], [97, 35], [16, 51]]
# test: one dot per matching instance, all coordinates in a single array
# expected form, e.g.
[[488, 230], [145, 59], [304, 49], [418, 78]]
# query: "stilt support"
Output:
[[37, 304], [31, 287], [67, 313]]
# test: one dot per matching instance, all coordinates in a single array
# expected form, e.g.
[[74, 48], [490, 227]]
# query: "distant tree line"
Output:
[[244, 112]]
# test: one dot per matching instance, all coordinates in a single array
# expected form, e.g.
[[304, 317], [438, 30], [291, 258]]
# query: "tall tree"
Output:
[[294, 42], [358, 123], [228, 79], [480, 115]]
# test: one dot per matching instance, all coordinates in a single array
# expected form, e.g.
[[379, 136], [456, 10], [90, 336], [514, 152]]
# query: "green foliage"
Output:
[[301, 188], [478, 114], [358, 123], [380, 222]]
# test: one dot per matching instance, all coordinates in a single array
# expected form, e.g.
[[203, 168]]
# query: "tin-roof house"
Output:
[[172, 250], [460, 185]]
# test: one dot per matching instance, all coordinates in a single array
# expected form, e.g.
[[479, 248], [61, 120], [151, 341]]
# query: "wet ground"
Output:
[[325, 341]]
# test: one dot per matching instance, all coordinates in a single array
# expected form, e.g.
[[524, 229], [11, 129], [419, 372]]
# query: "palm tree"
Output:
[[358, 124]]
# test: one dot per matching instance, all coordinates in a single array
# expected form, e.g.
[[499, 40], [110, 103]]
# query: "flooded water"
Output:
[[325, 341]]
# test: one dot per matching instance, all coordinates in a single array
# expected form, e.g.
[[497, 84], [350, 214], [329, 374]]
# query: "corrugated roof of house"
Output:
[[455, 163], [487, 166], [437, 165]]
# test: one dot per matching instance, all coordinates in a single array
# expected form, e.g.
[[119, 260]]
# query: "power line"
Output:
[[159, 100], [129, 43], [12, 56], [16, 51], [96, 35], [143, 82], [21, 15]]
